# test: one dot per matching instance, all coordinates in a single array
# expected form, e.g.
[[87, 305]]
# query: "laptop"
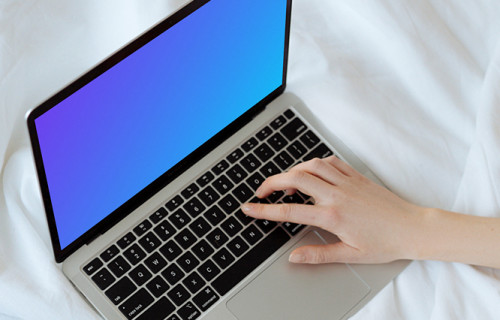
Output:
[[144, 161]]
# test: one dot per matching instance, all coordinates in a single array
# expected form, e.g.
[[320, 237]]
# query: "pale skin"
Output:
[[373, 224]]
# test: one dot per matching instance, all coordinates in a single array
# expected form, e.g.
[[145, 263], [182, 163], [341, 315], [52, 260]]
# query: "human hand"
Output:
[[373, 224]]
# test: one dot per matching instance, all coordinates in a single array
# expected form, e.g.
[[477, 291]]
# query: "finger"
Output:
[[294, 180], [296, 213], [317, 254], [342, 166], [322, 169]]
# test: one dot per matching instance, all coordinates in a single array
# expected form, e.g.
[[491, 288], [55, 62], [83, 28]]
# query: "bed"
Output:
[[413, 87]]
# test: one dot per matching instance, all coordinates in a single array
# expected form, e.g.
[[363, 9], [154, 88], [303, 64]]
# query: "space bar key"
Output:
[[246, 264]]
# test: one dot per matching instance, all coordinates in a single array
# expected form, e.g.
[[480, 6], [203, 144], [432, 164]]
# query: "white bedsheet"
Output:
[[411, 86]]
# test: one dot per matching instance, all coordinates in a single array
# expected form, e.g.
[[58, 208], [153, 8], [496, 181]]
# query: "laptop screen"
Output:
[[123, 130]]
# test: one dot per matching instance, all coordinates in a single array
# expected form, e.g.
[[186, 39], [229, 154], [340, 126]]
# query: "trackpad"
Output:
[[288, 291]]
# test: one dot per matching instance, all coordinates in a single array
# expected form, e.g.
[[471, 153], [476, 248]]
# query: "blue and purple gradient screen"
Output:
[[119, 133]]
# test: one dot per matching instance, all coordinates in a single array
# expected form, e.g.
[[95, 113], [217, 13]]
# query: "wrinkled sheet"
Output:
[[411, 86]]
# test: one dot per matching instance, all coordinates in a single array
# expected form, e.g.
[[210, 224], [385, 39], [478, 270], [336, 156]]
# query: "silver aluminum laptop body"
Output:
[[276, 289]]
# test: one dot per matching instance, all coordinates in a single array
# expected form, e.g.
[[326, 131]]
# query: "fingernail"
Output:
[[296, 258], [246, 207]]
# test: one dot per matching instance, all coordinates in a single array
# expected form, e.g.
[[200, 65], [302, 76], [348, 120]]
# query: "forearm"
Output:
[[449, 236]]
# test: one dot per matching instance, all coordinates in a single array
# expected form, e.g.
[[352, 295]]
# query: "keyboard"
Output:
[[190, 252]]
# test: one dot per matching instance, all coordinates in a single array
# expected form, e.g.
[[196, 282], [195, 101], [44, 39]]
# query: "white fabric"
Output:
[[411, 86]]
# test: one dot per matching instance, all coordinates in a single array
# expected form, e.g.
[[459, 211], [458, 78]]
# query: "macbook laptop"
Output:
[[144, 161]]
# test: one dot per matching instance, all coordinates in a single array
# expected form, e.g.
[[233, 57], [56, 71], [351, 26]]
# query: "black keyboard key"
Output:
[[266, 225], [217, 238], [194, 207], [237, 174], [103, 278], [250, 144], [134, 254], [173, 274], [179, 295], [190, 191], [243, 192], [160, 310], [304, 196], [223, 185], [202, 250], [293, 228], [223, 258], [209, 270], [243, 218], [150, 242], [293, 198], [126, 240], [158, 215], [200, 227], [188, 262], [252, 235], [284, 160], [164, 230], [277, 141], [250, 163], [205, 179], [259, 200], [136, 304], [220, 167], [247, 263], [209, 196], [264, 152], [238, 246], [158, 286], [235, 156], [270, 169], [294, 129], [93, 266], [121, 290], [297, 150], [278, 122], [193, 282], [119, 266], [110, 253], [275, 196], [189, 312], [264, 133], [205, 299], [214, 215], [170, 250], [309, 139], [155, 262], [255, 180], [185, 238], [173, 317], [174, 203], [142, 228], [320, 151], [229, 204], [289, 114], [140, 275], [231, 226], [179, 219]]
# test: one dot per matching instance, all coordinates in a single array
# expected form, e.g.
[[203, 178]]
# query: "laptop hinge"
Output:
[[93, 238]]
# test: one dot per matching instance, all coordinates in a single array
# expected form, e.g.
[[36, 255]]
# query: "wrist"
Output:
[[425, 238]]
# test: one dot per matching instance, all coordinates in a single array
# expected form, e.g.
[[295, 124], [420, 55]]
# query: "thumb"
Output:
[[317, 254]]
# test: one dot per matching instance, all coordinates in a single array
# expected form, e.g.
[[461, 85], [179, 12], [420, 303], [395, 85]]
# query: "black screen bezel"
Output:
[[125, 209]]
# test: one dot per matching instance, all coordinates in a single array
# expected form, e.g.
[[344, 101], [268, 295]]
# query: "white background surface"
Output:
[[411, 86]]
